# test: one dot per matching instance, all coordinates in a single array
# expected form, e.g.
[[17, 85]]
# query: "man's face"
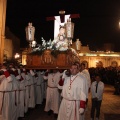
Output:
[[74, 70], [82, 67], [62, 31], [97, 78]]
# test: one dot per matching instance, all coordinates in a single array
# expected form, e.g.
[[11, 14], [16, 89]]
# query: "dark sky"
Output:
[[98, 22]]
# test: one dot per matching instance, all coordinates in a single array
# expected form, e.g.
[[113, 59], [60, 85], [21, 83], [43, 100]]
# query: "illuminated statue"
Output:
[[30, 31], [61, 41], [78, 44]]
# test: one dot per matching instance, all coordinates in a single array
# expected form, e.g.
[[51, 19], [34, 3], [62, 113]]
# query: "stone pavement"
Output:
[[110, 108]]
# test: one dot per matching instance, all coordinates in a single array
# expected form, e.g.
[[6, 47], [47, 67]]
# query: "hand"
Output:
[[81, 111]]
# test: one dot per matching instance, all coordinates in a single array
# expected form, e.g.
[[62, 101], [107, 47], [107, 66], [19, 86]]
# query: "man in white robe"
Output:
[[14, 95], [85, 73], [74, 96], [5, 97], [53, 96], [27, 93], [39, 95], [31, 90]]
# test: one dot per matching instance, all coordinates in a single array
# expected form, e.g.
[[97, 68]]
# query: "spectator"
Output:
[[97, 89]]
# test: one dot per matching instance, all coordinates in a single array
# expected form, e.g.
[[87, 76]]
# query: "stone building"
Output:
[[12, 44], [98, 58], [9, 43], [2, 27]]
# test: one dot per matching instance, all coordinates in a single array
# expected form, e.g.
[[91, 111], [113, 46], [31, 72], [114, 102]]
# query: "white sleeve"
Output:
[[83, 90], [101, 89], [93, 91]]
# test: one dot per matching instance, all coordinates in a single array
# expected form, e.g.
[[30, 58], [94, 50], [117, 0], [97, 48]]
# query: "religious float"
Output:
[[52, 54]]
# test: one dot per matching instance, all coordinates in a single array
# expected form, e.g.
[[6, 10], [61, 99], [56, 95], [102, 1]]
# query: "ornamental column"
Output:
[[3, 4]]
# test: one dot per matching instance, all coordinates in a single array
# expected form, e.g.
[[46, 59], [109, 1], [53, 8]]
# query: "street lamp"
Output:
[[34, 43], [17, 56], [69, 30], [30, 31]]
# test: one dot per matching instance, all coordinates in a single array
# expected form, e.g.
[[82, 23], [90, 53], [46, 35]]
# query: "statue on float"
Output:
[[61, 42], [30, 31], [78, 44]]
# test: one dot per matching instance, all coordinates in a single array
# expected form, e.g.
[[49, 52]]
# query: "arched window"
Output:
[[99, 64], [86, 63], [114, 64]]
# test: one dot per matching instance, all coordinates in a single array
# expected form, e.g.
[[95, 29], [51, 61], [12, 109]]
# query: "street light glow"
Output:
[[119, 24], [17, 55]]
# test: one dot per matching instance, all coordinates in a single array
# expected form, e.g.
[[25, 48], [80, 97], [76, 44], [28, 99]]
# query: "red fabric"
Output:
[[61, 82], [7, 74], [74, 16], [82, 104], [50, 18], [60, 71], [62, 18]]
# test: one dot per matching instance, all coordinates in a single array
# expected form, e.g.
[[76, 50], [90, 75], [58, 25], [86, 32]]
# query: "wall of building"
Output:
[[2, 27], [8, 49], [12, 44], [105, 60]]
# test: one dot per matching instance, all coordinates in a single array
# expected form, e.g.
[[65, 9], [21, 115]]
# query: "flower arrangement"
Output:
[[51, 45]]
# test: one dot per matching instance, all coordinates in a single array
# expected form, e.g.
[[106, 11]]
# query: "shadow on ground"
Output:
[[112, 116]]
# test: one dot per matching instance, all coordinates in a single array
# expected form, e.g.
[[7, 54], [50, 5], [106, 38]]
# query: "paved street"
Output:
[[110, 109]]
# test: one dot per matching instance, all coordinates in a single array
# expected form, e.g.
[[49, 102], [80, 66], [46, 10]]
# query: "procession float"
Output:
[[51, 54]]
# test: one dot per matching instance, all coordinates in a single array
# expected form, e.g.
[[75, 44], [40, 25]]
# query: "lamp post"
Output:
[[30, 31], [69, 30], [17, 57], [33, 43]]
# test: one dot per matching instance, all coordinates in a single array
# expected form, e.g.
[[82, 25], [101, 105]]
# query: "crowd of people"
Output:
[[20, 91], [65, 91], [110, 75]]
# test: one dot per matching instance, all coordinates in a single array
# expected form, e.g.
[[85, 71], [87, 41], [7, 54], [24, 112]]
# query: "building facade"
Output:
[[2, 27]]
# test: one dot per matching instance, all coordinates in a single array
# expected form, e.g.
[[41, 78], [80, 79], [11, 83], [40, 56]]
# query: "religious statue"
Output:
[[61, 41], [69, 29], [30, 31], [78, 44]]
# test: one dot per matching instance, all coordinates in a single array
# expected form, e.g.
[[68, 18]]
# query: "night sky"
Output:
[[98, 22]]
